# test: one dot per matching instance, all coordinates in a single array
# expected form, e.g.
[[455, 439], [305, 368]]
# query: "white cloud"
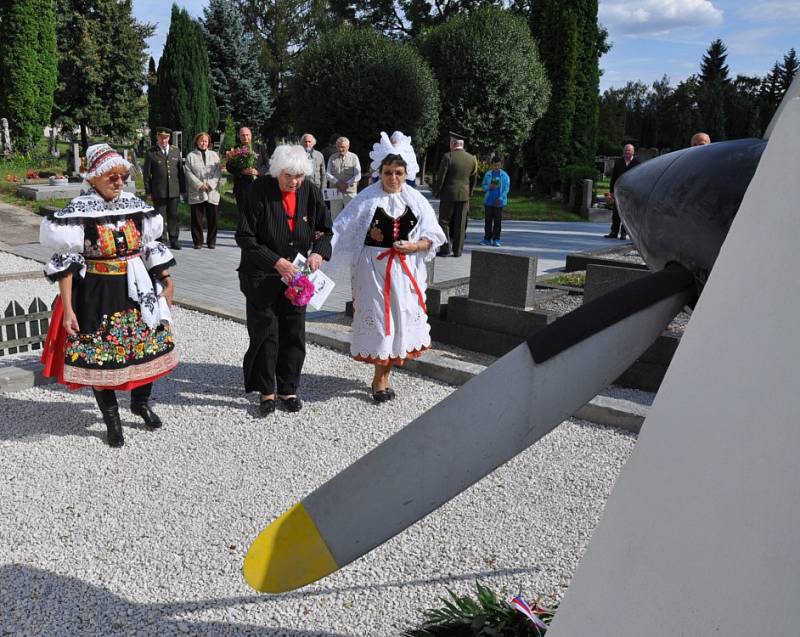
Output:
[[657, 16]]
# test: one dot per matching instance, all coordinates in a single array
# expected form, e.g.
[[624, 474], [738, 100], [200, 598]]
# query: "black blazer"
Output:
[[619, 169], [263, 233]]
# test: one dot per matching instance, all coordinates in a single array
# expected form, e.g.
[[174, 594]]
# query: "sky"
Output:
[[650, 38]]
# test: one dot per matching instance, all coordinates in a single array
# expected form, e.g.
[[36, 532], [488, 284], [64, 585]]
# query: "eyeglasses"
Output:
[[394, 173], [123, 177]]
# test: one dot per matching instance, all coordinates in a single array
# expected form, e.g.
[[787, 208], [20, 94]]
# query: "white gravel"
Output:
[[11, 264], [149, 539]]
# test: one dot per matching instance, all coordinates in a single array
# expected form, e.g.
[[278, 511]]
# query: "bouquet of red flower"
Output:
[[238, 159], [300, 289]]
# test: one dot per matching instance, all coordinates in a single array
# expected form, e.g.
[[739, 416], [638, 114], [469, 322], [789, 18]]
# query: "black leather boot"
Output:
[[107, 402], [140, 406]]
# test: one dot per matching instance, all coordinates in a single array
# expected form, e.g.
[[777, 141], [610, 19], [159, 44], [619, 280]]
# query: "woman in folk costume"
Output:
[[111, 325], [402, 146], [387, 233]]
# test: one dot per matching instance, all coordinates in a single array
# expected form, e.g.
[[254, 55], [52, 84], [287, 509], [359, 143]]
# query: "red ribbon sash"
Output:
[[387, 283]]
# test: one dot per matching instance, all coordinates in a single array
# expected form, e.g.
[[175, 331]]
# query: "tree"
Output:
[[787, 71], [715, 90], [769, 96], [591, 46], [389, 86], [682, 113], [743, 109], [28, 67], [185, 98], [100, 81], [492, 85], [241, 88], [152, 97]]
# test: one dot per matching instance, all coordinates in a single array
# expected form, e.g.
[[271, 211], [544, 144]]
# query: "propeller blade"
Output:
[[482, 425]]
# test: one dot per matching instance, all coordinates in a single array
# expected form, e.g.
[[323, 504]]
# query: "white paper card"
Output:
[[331, 194], [323, 284]]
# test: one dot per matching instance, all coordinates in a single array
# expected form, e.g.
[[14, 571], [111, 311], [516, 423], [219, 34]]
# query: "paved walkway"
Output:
[[209, 276]]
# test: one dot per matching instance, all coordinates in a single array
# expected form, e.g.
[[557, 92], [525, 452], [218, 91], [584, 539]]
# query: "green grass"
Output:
[[525, 206], [575, 279]]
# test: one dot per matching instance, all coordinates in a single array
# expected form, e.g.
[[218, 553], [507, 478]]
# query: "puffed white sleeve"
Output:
[[156, 255], [66, 241]]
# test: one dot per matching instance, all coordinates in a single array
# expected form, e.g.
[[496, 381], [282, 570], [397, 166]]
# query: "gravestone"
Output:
[[587, 196], [136, 171], [5, 138], [177, 140], [502, 277], [74, 159], [53, 145]]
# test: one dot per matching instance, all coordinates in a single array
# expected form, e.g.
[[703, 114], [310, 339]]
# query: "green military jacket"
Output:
[[456, 177], [163, 173]]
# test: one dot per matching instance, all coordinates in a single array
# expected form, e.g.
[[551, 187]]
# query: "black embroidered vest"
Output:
[[384, 231]]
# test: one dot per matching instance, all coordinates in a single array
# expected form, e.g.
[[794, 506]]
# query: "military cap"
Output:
[[163, 130], [456, 136]]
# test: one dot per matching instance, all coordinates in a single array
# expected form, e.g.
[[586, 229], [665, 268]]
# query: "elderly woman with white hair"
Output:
[[111, 325], [281, 215]]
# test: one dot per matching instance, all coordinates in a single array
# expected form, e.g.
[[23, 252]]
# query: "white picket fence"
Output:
[[24, 330]]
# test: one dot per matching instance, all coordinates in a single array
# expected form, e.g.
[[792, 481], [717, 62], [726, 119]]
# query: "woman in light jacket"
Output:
[[203, 172]]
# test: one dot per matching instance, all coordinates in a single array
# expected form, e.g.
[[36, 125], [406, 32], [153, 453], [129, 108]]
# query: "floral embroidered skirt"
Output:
[[115, 348]]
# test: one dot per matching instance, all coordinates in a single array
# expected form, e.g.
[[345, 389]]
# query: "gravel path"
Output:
[[11, 263], [149, 539]]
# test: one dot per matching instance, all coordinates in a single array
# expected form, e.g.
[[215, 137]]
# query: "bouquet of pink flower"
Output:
[[300, 289], [238, 159]]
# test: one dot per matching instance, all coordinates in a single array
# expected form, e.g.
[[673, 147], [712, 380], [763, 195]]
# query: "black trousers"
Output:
[[277, 345], [199, 210], [493, 223], [453, 219], [168, 209], [617, 227]]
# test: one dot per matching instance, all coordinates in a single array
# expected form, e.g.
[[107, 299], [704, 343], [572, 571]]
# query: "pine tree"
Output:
[[556, 26], [241, 88], [28, 68], [587, 87], [787, 71], [185, 98], [100, 81], [715, 90], [769, 97], [152, 98]]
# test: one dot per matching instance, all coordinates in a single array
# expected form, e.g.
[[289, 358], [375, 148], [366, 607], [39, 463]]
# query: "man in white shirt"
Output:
[[344, 173]]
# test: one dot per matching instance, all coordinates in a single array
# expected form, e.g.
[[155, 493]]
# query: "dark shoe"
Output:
[[174, 244], [623, 237], [143, 410], [197, 246], [114, 435], [390, 393], [610, 236], [292, 404], [211, 246], [266, 407], [443, 253], [381, 395]]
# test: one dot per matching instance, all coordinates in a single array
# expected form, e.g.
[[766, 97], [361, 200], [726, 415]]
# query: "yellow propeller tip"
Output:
[[288, 554]]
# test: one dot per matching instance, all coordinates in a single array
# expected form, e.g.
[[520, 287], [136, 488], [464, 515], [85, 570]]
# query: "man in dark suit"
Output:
[[453, 186], [621, 166], [164, 182]]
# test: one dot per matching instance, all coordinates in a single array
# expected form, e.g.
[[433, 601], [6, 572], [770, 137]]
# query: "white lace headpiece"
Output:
[[402, 147]]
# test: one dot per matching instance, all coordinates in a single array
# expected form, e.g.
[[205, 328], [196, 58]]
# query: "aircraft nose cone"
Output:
[[678, 207]]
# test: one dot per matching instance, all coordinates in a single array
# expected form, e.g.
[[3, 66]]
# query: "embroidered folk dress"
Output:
[[113, 252], [390, 321]]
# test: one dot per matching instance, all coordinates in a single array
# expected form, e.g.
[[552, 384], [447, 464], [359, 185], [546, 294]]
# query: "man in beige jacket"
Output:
[[344, 173]]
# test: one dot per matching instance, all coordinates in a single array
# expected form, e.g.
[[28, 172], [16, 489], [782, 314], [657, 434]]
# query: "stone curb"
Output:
[[603, 410]]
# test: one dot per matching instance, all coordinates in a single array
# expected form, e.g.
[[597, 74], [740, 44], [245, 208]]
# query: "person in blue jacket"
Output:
[[496, 184]]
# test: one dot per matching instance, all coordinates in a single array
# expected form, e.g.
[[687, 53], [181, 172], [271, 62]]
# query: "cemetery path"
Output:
[[204, 277]]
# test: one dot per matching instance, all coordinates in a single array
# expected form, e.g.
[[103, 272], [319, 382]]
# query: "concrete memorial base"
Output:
[[39, 192]]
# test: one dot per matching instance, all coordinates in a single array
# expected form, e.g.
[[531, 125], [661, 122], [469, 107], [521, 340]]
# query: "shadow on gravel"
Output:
[[37, 602]]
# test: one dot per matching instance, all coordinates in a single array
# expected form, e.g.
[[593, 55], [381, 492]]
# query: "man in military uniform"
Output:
[[164, 182], [453, 186]]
